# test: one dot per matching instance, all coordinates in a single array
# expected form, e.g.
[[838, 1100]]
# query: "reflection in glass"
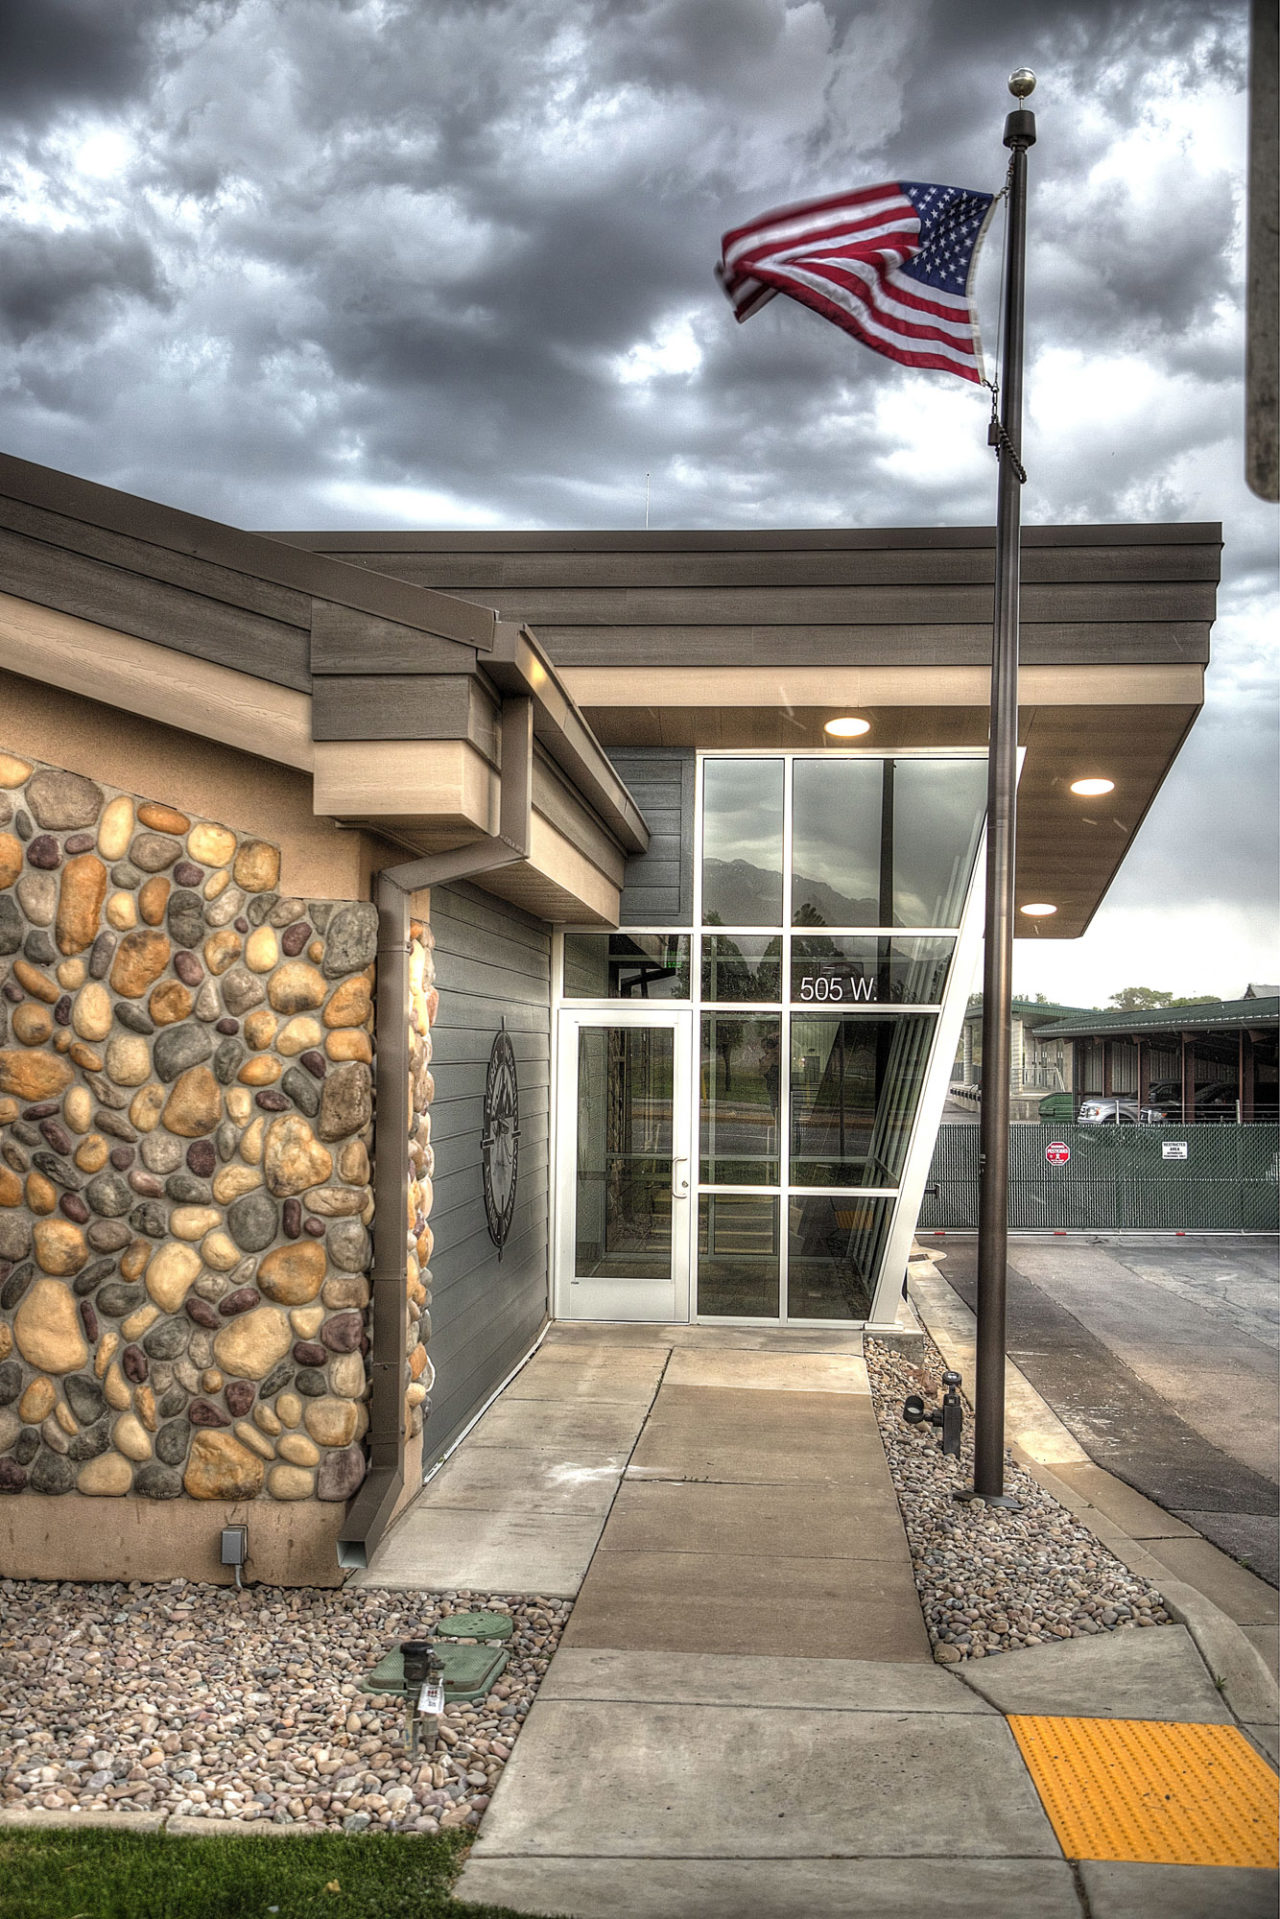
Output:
[[855, 1083], [742, 842], [741, 966], [737, 1256], [626, 966], [849, 971], [623, 1195], [938, 810], [741, 1090], [836, 810], [834, 1248], [884, 842]]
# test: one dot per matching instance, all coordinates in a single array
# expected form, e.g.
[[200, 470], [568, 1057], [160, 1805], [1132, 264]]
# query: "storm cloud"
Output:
[[397, 262]]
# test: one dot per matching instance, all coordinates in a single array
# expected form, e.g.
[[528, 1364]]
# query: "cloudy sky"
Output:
[[374, 263]]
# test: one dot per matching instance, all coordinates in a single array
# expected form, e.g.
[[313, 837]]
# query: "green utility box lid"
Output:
[[467, 1672], [476, 1625], [470, 1671]]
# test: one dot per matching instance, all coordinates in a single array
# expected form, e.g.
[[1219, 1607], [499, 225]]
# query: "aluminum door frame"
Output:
[[678, 1019]]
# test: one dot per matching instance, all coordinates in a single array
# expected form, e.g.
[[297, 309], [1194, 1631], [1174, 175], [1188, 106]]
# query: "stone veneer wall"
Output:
[[423, 1002], [185, 1131]]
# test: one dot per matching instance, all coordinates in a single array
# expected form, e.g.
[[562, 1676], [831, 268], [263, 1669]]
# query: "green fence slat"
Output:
[[1196, 1204], [1259, 1206], [956, 1154], [953, 1207], [1116, 1177], [1259, 1152]]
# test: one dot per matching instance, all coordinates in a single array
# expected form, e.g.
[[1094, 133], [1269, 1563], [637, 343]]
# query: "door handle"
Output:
[[679, 1187]]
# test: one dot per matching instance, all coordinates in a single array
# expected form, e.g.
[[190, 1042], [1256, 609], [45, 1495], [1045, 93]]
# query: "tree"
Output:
[[1142, 999]]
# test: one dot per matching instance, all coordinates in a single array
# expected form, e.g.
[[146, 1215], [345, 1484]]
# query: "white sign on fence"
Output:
[[1174, 1148]]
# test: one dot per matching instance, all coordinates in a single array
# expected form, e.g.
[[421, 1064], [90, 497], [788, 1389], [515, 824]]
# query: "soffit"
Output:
[[1069, 848]]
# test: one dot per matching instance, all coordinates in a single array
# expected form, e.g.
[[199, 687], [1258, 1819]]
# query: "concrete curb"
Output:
[[1234, 1664], [20, 1818], [182, 1825]]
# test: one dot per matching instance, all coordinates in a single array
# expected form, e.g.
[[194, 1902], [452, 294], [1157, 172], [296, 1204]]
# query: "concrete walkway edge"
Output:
[[1234, 1664], [182, 1825]]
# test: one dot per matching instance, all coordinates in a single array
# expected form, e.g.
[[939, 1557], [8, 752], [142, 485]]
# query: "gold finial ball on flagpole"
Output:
[[1022, 83]]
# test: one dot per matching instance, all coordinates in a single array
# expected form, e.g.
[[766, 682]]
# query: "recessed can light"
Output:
[[1089, 789], [847, 729], [1038, 910]]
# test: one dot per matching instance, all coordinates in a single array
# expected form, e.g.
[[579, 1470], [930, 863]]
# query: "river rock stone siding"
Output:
[[185, 1131], [423, 1002]]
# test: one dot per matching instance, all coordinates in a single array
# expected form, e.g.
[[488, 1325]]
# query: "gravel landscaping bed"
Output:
[[193, 1699], [991, 1580]]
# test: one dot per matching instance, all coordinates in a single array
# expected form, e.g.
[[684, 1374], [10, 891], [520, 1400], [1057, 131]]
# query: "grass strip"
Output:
[[100, 1874]]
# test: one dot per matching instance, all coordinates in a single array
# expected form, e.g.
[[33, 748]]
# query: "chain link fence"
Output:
[[1220, 1179]]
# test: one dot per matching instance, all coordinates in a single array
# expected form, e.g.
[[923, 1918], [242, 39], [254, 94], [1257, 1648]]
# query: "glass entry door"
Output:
[[624, 1173]]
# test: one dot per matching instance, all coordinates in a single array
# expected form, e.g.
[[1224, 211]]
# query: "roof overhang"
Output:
[[387, 693], [756, 640]]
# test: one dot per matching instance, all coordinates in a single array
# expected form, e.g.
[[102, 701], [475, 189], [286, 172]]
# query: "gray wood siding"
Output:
[[916, 596], [657, 888], [404, 706], [152, 609], [491, 960], [209, 590]]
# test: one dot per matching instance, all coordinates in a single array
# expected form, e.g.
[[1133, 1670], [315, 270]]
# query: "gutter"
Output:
[[369, 1513]]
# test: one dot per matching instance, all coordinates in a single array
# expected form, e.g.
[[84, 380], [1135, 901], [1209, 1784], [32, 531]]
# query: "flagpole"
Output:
[[1002, 785]]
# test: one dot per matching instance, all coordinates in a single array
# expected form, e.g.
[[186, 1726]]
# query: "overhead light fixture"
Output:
[[1090, 789], [1038, 910], [847, 729]]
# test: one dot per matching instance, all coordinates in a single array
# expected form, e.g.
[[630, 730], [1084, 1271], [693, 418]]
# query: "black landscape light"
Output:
[[950, 1415]]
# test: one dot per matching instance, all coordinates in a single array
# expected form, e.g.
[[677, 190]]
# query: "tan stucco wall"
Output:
[[320, 860], [44, 1538]]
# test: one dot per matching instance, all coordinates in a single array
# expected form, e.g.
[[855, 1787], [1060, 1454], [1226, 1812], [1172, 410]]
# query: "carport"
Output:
[[1212, 1062]]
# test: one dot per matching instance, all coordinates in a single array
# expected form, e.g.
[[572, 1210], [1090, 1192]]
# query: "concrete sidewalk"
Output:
[[711, 1787], [756, 1516], [743, 1716]]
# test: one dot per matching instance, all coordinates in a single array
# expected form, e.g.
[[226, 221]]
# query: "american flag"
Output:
[[893, 265]]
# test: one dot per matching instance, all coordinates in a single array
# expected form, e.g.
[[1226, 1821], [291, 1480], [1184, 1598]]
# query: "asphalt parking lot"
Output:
[[1162, 1356]]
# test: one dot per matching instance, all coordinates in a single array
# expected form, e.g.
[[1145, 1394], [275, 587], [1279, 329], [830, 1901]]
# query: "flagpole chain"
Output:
[[998, 437]]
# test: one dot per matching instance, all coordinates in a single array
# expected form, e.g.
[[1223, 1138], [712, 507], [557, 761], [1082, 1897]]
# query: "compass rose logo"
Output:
[[500, 1140]]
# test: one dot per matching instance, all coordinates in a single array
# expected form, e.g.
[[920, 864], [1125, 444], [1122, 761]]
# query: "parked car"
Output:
[[1215, 1101], [1097, 1110]]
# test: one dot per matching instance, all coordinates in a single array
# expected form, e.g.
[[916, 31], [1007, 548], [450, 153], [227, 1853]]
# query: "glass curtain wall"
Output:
[[830, 893]]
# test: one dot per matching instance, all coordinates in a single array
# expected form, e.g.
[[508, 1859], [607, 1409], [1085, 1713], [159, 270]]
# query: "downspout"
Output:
[[370, 1511]]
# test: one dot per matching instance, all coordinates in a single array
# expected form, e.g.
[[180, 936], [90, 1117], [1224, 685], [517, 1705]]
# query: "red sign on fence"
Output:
[[1057, 1152]]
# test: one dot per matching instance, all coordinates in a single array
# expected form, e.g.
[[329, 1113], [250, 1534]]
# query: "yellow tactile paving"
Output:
[[1156, 1793]]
